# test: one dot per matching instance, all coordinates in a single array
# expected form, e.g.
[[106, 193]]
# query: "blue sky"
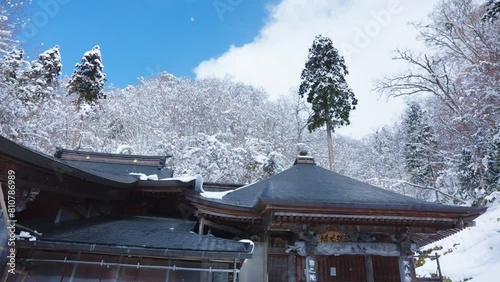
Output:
[[138, 38]]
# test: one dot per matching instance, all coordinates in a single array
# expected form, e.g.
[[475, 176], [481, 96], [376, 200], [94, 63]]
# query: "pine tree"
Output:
[[323, 81], [88, 78], [41, 77], [491, 161], [11, 65], [492, 11], [48, 66], [419, 146], [12, 110], [467, 175], [479, 168]]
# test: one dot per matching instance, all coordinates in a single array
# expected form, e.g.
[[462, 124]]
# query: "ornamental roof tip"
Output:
[[304, 158]]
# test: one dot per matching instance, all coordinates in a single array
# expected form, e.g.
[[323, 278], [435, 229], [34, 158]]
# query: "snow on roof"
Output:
[[219, 195], [143, 176], [24, 235], [198, 180], [215, 195], [185, 179]]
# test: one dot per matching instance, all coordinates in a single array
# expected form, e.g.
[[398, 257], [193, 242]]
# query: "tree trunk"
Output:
[[330, 147]]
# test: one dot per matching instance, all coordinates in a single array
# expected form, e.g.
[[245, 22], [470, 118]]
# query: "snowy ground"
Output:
[[472, 253]]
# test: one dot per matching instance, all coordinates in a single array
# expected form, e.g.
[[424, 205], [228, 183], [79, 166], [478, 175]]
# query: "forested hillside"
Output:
[[445, 148]]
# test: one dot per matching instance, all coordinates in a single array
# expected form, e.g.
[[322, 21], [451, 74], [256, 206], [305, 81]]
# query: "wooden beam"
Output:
[[367, 228], [379, 249], [224, 228]]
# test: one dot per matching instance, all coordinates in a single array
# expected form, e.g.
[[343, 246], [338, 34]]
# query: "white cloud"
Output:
[[365, 32]]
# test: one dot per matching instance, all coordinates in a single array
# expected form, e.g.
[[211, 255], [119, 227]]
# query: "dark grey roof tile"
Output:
[[304, 184], [158, 233]]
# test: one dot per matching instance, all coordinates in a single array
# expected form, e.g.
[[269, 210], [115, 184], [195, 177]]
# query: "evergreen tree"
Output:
[[48, 67], [492, 11], [419, 146], [12, 110], [88, 78], [469, 182], [323, 81], [41, 77], [10, 67], [479, 168], [492, 162]]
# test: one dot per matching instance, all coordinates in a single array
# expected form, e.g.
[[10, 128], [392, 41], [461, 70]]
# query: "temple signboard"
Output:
[[331, 236], [311, 271]]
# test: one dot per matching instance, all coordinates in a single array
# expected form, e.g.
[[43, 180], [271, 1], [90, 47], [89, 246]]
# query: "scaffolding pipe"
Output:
[[234, 271], [138, 265]]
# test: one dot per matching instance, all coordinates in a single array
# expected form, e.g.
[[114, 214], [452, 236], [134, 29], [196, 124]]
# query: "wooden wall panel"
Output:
[[300, 263], [277, 268], [348, 268], [385, 269]]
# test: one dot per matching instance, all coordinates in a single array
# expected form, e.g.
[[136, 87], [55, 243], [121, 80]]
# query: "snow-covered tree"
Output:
[[48, 67], [12, 110], [41, 77], [479, 168], [492, 11], [460, 75], [12, 20], [11, 66], [87, 80], [419, 146], [323, 82]]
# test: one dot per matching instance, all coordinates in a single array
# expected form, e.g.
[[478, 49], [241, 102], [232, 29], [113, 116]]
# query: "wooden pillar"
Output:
[[265, 253], [369, 269], [167, 277], [291, 268], [406, 266], [205, 276], [201, 226], [75, 266], [406, 269]]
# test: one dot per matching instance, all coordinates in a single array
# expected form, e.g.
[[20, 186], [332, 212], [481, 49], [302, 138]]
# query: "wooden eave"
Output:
[[373, 212], [454, 217], [136, 251], [162, 186], [211, 209], [59, 179], [407, 220], [72, 155], [228, 215], [372, 208], [424, 226]]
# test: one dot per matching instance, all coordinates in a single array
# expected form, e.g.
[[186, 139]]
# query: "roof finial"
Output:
[[303, 158]]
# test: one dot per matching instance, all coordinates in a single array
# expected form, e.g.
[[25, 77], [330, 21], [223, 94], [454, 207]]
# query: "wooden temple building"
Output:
[[84, 216]]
